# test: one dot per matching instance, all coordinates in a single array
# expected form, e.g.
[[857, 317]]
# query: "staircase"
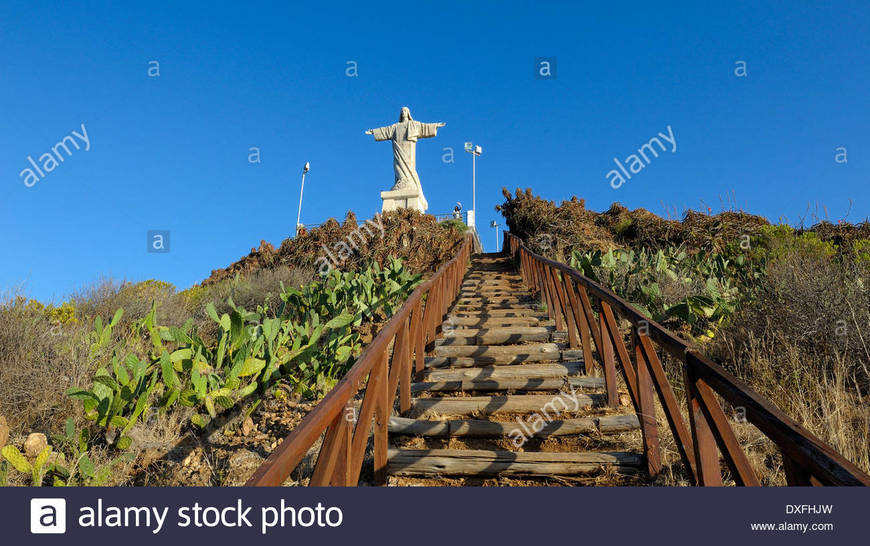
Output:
[[505, 400]]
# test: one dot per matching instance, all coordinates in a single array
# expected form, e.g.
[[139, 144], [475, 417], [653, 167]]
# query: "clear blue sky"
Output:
[[171, 152]]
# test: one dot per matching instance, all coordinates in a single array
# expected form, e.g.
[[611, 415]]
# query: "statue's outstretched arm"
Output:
[[382, 133], [429, 130]]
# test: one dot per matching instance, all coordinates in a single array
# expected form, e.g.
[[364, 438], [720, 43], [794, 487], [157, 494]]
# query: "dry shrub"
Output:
[[135, 298], [418, 238], [804, 345], [39, 361], [556, 231]]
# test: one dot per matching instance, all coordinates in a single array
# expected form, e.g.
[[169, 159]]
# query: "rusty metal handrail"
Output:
[[414, 327], [806, 459]]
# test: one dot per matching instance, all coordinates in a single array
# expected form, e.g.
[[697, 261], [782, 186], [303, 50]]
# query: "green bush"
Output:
[[455, 223], [309, 342]]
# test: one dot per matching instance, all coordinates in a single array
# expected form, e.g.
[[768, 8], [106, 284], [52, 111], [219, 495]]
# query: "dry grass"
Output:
[[40, 358], [803, 346], [39, 361]]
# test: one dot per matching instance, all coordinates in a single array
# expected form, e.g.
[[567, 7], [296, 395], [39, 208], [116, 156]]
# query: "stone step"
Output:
[[551, 405], [474, 462], [481, 428], [495, 336]]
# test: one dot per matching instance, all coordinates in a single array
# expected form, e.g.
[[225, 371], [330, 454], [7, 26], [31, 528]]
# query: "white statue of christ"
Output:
[[404, 135]]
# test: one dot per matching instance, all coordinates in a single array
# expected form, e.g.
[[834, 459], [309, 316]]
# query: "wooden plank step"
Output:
[[513, 296], [489, 288], [511, 403], [494, 336], [474, 462], [472, 362], [494, 322], [480, 428], [470, 291], [522, 384], [491, 284], [524, 371], [503, 354], [476, 296], [483, 307], [507, 384], [500, 313], [498, 300], [503, 277]]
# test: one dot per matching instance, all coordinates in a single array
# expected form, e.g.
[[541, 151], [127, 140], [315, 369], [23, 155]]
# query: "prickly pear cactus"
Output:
[[16, 459]]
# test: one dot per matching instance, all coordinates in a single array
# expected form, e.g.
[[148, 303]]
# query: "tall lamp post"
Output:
[[474, 151], [302, 189], [494, 224]]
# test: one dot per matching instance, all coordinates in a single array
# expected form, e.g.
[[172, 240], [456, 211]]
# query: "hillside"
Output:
[[785, 309], [571, 226], [128, 383], [416, 238]]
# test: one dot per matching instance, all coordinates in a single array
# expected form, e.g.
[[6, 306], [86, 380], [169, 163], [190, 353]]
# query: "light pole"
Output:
[[302, 189], [474, 151], [494, 224]]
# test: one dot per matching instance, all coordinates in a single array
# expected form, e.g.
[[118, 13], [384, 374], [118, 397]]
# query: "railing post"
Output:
[[709, 473], [581, 322], [548, 295], [382, 421], [331, 467], [605, 350], [419, 339], [443, 299], [536, 274], [405, 370], [433, 313], [795, 475], [567, 312], [647, 410], [524, 267], [522, 264], [621, 351], [670, 405], [730, 448]]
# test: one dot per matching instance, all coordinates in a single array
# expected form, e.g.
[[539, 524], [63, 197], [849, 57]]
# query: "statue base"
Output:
[[408, 198]]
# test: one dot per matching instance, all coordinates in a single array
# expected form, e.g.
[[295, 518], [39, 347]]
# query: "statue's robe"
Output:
[[404, 136]]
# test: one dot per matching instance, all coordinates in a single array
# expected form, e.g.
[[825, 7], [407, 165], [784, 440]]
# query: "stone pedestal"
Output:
[[409, 198]]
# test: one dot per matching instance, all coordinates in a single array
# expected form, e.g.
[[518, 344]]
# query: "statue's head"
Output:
[[405, 115]]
